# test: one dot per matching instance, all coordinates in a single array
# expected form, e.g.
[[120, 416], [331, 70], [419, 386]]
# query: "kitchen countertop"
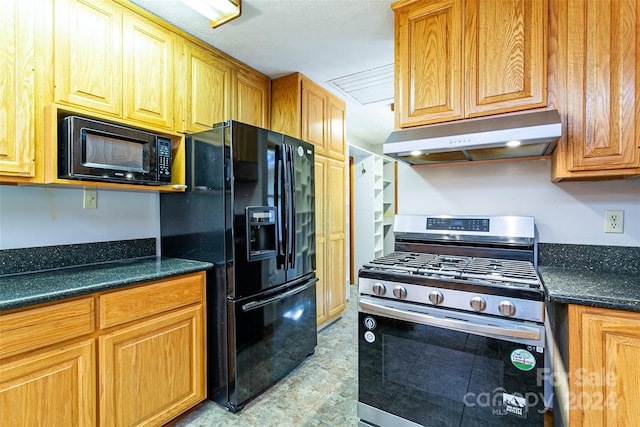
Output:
[[605, 289], [22, 290]]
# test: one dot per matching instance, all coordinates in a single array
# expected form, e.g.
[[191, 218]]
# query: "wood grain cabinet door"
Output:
[[335, 237], [506, 51], [54, 388], [152, 371], [148, 72], [314, 116], [252, 98], [88, 55], [604, 379], [208, 89], [603, 84], [429, 62], [17, 103]]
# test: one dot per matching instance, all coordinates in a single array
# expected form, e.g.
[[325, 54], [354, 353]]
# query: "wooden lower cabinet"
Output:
[[153, 371], [130, 357], [53, 388], [604, 355]]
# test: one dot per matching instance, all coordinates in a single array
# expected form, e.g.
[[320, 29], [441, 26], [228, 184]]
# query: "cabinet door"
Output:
[[336, 236], [148, 72], [54, 388], [603, 81], [152, 371], [314, 110], [604, 353], [252, 99], [336, 130], [429, 62], [320, 169], [208, 89], [506, 50], [17, 89], [88, 55]]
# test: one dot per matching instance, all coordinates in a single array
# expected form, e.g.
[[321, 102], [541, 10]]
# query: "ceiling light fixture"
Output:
[[218, 11]]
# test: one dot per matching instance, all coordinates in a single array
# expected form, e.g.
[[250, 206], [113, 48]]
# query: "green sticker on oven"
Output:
[[523, 360]]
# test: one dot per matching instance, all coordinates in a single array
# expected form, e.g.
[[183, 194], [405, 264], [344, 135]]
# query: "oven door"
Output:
[[433, 367]]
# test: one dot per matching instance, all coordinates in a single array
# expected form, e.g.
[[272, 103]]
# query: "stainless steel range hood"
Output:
[[529, 134]]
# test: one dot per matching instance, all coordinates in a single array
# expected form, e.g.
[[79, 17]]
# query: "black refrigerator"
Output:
[[249, 209]]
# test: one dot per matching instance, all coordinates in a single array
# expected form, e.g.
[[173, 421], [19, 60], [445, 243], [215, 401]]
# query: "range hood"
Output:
[[530, 134]]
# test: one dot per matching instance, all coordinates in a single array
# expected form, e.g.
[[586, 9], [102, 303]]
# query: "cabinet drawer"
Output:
[[39, 327], [125, 306]]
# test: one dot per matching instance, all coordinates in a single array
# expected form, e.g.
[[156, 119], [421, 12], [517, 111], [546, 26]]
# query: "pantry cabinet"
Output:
[[17, 103], [330, 239], [597, 73], [604, 353], [134, 356], [457, 59], [303, 109]]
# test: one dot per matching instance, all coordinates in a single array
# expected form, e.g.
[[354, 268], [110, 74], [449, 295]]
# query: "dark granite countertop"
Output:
[[22, 290], [606, 289]]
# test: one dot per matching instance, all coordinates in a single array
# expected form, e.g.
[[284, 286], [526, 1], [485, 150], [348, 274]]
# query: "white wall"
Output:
[[38, 216], [566, 212]]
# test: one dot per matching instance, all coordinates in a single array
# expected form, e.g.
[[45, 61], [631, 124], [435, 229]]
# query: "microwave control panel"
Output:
[[164, 159]]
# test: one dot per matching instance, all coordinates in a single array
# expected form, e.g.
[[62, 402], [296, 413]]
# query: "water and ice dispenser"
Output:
[[261, 232]]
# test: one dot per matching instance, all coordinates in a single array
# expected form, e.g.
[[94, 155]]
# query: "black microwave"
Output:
[[100, 151]]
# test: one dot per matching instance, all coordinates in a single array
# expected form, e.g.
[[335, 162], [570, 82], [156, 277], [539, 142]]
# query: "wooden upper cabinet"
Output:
[[88, 55], [303, 109], [597, 45], [457, 59], [506, 55], [208, 89], [148, 72], [252, 98], [428, 62], [336, 138], [17, 103]]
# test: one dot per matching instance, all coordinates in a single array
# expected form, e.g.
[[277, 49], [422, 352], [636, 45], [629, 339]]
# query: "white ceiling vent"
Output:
[[368, 87]]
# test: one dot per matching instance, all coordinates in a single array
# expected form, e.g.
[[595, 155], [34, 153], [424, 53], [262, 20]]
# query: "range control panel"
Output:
[[458, 224]]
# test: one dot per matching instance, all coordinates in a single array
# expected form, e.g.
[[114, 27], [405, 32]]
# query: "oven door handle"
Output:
[[448, 323]]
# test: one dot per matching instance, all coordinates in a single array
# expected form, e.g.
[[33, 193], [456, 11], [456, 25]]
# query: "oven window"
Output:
[[438, 377], [106, 152]]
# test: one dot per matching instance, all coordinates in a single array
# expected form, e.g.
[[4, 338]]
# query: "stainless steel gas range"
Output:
[[451, 326]]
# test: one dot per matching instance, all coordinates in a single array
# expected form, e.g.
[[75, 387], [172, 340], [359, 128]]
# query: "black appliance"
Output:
[[100, 151], [452, 326], [249, 208]]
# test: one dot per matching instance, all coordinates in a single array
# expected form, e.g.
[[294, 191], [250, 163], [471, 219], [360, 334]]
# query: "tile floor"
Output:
[[321, 392]]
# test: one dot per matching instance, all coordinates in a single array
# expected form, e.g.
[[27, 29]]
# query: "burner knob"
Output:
[[400, 292], [478, 303], [379, 289], [507, 308], [436, 297]]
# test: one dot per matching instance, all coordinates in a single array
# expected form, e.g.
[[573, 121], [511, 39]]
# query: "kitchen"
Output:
[[566, 213]]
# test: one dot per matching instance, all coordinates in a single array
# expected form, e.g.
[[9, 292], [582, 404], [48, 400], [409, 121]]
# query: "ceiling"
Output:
[[322, 39]]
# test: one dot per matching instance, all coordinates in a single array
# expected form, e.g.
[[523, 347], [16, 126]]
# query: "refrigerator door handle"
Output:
[[261, 303], [292, 212], [279, 195]]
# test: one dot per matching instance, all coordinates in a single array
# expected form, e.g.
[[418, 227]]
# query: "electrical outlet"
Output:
[[90, 199], [614, 221]]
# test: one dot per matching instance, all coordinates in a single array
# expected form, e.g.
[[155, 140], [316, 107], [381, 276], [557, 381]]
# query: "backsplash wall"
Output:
[[566, 212], [569, 213], [38, 216]]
